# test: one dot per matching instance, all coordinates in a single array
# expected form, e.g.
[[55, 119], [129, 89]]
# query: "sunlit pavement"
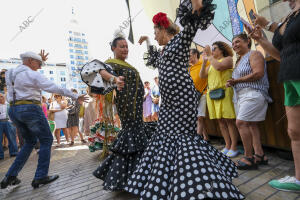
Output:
[[75, 165]]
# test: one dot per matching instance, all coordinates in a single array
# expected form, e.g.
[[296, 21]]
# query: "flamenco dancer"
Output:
[[132, 139], [178, 163]]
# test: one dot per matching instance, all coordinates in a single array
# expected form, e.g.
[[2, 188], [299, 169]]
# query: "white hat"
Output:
[[30, 54]]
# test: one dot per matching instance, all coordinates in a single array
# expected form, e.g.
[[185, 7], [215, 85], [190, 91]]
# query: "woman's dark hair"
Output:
[[115, 42], [245, 38], [195, 51], [224, 48], [173, 29]]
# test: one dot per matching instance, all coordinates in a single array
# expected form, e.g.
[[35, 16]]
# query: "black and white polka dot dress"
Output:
[[132, 139], [178, 163]]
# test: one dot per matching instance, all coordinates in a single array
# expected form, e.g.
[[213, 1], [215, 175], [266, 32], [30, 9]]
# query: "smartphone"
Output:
[[252, 17]]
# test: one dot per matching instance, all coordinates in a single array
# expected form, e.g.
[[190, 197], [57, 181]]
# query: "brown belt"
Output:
[[25, 102]]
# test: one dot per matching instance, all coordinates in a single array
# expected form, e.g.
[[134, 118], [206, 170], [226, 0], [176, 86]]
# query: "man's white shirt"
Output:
[[28, 85]]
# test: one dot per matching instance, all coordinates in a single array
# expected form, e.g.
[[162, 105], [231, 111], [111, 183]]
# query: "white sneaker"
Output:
[[232, 154], [225, 151]]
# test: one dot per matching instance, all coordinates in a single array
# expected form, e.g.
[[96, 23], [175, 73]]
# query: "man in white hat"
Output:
[[24, 85]]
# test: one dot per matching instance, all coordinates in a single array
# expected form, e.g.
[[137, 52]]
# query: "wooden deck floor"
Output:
[[76, 164]]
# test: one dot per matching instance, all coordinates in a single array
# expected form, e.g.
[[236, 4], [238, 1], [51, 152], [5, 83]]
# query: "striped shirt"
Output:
[[244, 69]]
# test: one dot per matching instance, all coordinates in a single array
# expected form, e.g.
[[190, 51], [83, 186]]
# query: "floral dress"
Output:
[[178, 163]]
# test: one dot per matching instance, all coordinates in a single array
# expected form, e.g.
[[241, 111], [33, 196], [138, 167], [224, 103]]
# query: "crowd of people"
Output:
[[151, 101], [171, 159]]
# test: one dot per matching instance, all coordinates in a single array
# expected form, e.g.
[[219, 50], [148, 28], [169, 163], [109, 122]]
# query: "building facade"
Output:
[[78, 54]]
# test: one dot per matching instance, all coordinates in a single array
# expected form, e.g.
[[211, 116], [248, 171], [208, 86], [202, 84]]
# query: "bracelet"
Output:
[[112, 79], [268, 26]]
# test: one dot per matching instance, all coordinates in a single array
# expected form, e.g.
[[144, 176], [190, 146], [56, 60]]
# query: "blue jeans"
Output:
[[10, 132], [32, 125]]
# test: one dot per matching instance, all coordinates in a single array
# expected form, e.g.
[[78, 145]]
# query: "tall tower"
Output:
[[78, 53]]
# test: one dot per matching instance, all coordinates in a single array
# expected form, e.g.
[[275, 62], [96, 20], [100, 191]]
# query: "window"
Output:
[[42, 71], [70, 45], [78, 46], [75, 85], [63, 79], [273, 1], [71, 56], [86, 58], [70, 38], [83, 34], [72, 62], [73, 68], [78, 51], [51, 78], [62, 73], [85, 47], [77, 39], [77, 33], [63, 85], [70, 31], [71, 50], [86, 52], [74, 80], [50, 72]]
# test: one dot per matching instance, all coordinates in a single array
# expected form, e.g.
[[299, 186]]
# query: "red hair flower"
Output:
[[161, 19]]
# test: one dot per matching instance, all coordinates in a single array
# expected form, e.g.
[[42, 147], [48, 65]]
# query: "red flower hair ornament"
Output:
[[161, 19]]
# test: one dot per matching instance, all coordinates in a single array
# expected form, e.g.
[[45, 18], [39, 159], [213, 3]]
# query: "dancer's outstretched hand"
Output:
[[42, 54], [197, 6], [120, 82], [143, 39], [83, 98]]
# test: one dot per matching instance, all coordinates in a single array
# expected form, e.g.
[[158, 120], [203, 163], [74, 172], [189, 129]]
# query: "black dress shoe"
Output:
[[9, 181], [37, 182]]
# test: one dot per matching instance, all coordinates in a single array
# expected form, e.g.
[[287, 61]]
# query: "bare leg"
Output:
[[201, 128], [155, 116], [67, 134], [293, 116], [256, 140], [57, 135], [234, 135], [225, 133], [246, 137]]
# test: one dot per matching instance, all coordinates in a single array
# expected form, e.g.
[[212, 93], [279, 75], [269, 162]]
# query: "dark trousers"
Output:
[[32, 125]]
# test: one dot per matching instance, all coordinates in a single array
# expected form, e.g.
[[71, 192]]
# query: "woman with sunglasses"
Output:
[[60, 117], [221, 107], [250, 83]]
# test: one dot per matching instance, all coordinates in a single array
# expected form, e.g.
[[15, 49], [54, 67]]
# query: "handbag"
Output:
[[217, 94]]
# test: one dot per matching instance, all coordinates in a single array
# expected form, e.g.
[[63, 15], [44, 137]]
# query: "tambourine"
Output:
[[90, 75]]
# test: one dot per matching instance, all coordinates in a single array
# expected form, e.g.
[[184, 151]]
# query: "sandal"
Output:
[[244, 166], [262, 160]]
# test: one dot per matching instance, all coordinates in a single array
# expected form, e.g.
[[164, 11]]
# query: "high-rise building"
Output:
[[78, 54]]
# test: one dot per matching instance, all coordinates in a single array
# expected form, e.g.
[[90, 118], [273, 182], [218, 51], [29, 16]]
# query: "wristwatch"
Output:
[[268, 26], [111, 79]]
